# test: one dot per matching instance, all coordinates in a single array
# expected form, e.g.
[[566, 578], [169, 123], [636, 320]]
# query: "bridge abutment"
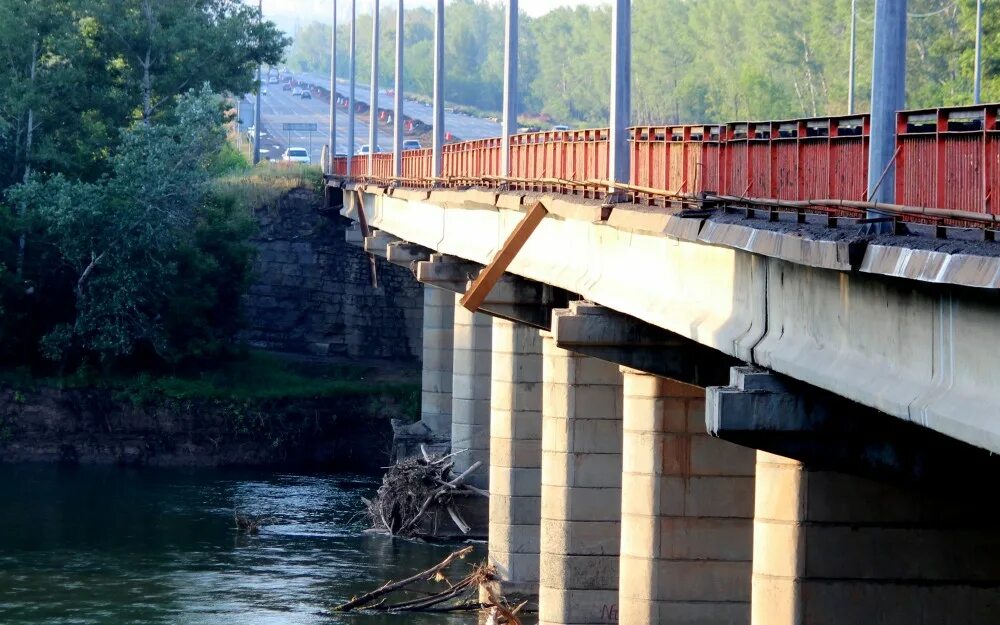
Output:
[[687, 511], [516, 456], [581, 488]]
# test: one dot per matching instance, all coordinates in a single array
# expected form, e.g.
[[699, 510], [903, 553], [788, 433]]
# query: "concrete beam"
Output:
[[378, 243], [778, 415], [512, 298], [404, 254], [605, 334], [354, 237]]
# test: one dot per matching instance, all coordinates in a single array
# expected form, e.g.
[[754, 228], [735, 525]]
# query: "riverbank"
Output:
[[259, 410]]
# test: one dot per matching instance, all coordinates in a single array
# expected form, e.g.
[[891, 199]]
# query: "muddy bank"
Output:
[[88, 426]]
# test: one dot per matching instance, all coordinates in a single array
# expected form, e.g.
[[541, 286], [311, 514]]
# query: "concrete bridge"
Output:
[[699, 417], [720, 374]]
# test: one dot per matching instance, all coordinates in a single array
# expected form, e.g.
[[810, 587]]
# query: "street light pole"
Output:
[[850, 75], [509, 86], [888, 97], [621, 95], [373, 93], [397, 104], [256, 108], [333, 90], [977, 88], [352, 79], [438, 108]]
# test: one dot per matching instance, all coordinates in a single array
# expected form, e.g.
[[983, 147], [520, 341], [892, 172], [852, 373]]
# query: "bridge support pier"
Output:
[[515, 456], [470, 396], [906, 537], [687, 511], [434, 427], [581, 488]]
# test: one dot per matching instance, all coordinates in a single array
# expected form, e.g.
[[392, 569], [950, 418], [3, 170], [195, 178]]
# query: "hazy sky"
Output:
[[288, 12]]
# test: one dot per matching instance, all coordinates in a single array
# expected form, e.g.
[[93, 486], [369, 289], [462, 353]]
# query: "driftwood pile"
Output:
[[419, 593], [416, 489]]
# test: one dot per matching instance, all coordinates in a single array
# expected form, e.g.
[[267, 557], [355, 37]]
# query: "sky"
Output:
[[289, 12]]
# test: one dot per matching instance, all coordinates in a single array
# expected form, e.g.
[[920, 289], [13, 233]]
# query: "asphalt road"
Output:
[[279, 107], [465, 127]]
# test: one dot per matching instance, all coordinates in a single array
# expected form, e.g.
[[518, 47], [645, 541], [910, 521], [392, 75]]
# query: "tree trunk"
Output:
[[29, 139]]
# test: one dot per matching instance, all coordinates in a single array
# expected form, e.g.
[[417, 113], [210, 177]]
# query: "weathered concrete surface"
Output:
[[515, 456], [581, 488], [436, 379], [470, 393], [687, 511], [923, 353], [831, 549]]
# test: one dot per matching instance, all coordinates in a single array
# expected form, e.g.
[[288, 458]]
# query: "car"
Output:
[[365, 149], [306, 95], [411, 144], [560, 128], [286, 87], [272, 80], [296, 155], [296, 92], [263, 91]]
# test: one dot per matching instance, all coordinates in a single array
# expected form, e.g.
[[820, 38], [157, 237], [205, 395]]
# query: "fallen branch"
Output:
[[394, 586]]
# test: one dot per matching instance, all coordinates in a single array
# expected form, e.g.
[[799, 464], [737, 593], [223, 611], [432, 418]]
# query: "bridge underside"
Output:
[[719, 421]]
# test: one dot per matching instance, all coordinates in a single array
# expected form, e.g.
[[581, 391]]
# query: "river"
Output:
[[110, 546]]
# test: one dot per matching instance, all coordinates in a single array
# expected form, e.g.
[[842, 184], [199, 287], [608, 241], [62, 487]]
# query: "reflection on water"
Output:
[[97, 545]]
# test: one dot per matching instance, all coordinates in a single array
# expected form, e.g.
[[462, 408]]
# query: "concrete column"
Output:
[[581, 488], [439, 326], [687, 511], [516, 455], [830, 548], [470, 396]]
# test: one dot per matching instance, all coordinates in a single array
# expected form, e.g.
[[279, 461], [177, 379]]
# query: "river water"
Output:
[[110, 546]]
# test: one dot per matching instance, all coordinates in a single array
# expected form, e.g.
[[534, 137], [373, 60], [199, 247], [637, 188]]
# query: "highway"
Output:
[[279, 107], [462, 126]]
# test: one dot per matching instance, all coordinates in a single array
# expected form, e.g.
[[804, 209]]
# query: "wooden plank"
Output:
[[488, 277]]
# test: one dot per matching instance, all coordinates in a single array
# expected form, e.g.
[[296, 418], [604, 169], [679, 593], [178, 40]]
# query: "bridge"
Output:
[[719, 373]]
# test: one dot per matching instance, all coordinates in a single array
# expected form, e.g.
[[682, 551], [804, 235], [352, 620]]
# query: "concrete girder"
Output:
[[779, 415], [404, 254], [378, 243], [605, 334], [512, 298], [354, 237]]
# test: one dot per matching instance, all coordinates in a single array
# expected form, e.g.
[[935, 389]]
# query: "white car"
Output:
[[296, 91], [296, 155]]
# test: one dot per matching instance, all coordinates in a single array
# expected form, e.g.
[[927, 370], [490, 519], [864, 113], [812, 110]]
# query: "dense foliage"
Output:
[[113, 248], [693, 60]]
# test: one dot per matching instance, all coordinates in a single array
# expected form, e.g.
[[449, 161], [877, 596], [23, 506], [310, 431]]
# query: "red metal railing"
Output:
[[946, 158]]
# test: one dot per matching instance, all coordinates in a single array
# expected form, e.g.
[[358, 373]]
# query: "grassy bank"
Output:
[[257, 376]]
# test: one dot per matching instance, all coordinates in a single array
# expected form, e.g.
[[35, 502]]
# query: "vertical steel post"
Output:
[[397, 104], [438, 112], [977, 87], [333, 89], [510, 101], [373, 93], [352, 87], [256, 108], [888, 97], [850, 73], [621, 95]]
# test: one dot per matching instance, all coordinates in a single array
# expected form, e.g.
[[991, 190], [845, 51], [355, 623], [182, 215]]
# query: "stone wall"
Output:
[[312, 292], [98, 426]]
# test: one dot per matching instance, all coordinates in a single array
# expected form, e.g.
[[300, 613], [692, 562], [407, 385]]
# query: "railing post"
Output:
[[621, 95], [333, 90], [850, 73], [397, 107], [352, 101], [978, 81], [888, 97], [256, 108], [438, 113], [510, 108], [373, 93]]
